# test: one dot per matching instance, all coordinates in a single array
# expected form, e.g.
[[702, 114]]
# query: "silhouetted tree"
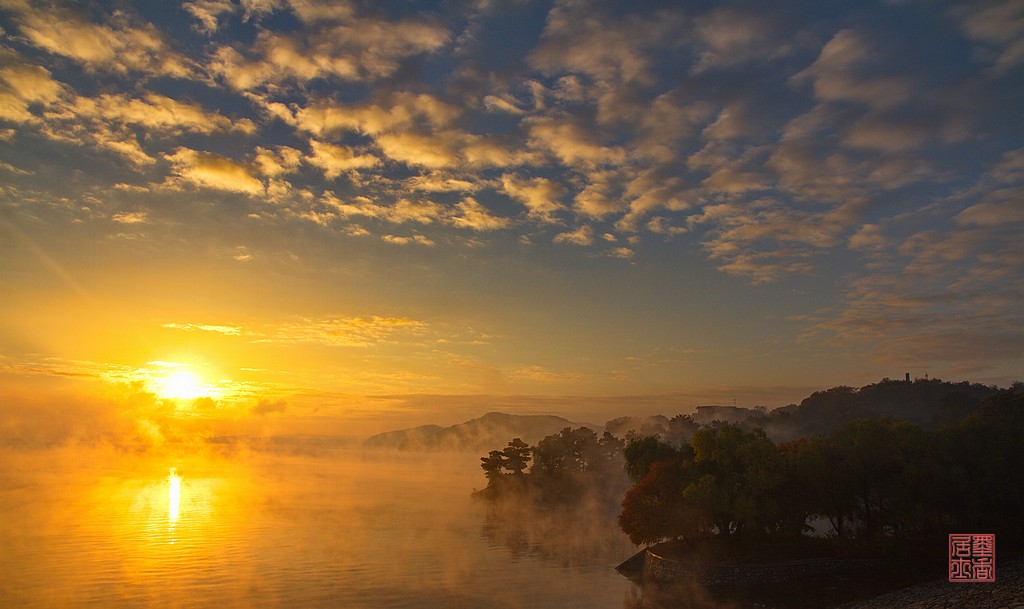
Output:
[[492, 465], [571, 450], [610, 449], [652, 510], [517, 456], [871, 477], [643, 452], [738, 476], [681, 429]]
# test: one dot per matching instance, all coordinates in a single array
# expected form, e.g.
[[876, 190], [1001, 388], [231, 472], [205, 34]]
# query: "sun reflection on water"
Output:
[[173, 501]]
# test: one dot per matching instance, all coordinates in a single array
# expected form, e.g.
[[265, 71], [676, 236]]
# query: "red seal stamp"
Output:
[[972, 557]]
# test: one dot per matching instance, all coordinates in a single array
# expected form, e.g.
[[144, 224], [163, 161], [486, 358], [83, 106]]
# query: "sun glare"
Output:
[[182, 385]]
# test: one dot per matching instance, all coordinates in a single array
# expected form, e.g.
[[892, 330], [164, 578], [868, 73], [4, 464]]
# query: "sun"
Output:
[[182, 385]]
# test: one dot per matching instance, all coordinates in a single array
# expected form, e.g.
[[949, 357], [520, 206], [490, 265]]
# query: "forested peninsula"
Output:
[[885, 471]]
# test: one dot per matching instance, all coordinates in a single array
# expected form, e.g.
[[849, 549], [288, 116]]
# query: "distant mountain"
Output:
[[396, 439], [489, 432], [927, 402]]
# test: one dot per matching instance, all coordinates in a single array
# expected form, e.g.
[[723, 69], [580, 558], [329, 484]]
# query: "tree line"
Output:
[[565, 466], [869, 478]]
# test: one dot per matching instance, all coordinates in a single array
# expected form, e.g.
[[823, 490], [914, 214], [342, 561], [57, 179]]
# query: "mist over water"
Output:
[[341, 528]]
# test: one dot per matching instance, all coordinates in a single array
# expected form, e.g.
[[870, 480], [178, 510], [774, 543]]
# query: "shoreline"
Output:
[[1006, 592], [848, 587]]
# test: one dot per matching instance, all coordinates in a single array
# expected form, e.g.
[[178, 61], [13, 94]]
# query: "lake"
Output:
[[89, 527]]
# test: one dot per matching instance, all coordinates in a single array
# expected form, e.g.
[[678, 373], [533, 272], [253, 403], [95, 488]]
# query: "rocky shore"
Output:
[[1007, 592]]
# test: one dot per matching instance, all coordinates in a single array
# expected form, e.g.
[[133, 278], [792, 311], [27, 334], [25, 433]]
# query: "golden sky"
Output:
[[270, 216]]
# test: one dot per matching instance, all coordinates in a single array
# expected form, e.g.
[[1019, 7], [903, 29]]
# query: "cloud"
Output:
[[483, 152], [130, 217], [621, 119], [1010, 168], [112, 122], [732, 123], [11, 168], [468, 213], [314, 11], [442, 183], [267, 406], [225, 330], [868, 238], [999, 24], [601, 195], [652, 190], [578, 38], [23, 85], [544, 375], [119, 139], [156, 112], [767, 219], [994, 201], [885, 136], [500, 104], [948, 292], [906, 131], [206, 12], [909, 320], [662, 226], [434, 151], [404, 210], [729, 37], [1003, 209], [77, 369], [667, 124], [334, 160], [732, 168], [118, 45], [415, 239], [345, 331], [847, 70], [584, 235], [253, 10], [573, 144], [539, 195], [765, 239], [400, 112], [422, 211], [360, 48], [282, 160], [210, 170], [807, 165]]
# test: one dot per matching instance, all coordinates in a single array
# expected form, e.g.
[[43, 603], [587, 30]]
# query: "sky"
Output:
[[269, 216]]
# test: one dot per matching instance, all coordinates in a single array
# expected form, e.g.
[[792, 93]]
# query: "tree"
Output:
[[727, 482], [738, 476], [642, 453], [570, 450], [517, 456], [652, 510], [609, 450], [982, 457], [869, 477], [492, 465], [681, 429]]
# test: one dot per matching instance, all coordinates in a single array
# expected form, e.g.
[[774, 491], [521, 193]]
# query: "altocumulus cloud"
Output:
[[770, 145]]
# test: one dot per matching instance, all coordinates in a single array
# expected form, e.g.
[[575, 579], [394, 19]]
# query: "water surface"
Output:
[[341, 528]]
